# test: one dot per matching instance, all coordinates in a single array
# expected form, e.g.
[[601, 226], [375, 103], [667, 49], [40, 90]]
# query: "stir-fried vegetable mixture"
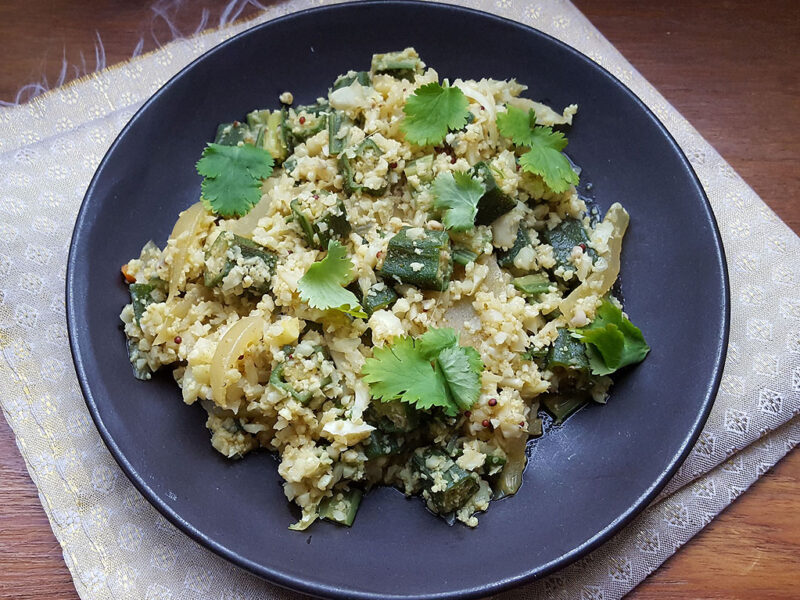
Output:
[[389, 286]]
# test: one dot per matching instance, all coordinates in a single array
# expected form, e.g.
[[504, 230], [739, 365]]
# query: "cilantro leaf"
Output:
[[516, 124], [434, 341], [322, 285], [551, 165], [544, 157], [432, 370], [457, 195], [233, 174], [545, 137], [457, 365], [401, 371], [431, 111], [611, 340]]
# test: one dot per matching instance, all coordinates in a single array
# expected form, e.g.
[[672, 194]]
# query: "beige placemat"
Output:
[[117, 546]]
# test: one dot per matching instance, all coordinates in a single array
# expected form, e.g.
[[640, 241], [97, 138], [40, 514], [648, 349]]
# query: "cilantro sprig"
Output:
[[233, 174], [611, 340], [457, 195], [431, 111], [322, 285], [432, 370], [544, 156]]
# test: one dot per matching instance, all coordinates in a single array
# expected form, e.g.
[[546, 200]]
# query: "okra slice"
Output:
[[343, 81], [494, 463], [273, 134], [322, 217], [363, 159], [231, 251], [421, 168], [563, 238], [563, 405], [230, 134], [404, 64], [141, 298], [304, 121], [436, 470], [393, 417], [337, 131], [341, 507], [505, 258], [378, 296], [462, 256], [419, 257], [276, 378], [494, 203], [381, 443], [533, 285], [567, 352]]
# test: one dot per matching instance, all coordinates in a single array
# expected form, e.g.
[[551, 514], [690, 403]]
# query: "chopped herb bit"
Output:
[[457, 195], [431, 111], [233, 174], [323, 284], [611, 340], [544, 156], [430, 371]]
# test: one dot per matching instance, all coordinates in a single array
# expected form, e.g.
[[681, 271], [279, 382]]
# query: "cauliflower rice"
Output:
[[220, 303]]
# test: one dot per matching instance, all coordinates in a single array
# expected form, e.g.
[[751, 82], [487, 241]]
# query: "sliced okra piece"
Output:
[[328, 224], [454, 486], [230, 250], [341, 507], [563, 238], [378, 297], [348, 167], [419, 257], [404, 64], [494, 203]]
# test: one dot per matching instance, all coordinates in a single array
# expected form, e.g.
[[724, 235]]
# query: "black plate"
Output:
[[585, 480]]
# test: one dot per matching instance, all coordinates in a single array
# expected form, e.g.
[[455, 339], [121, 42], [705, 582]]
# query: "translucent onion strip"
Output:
[[599, 283], [188, 222], [233, 344], [511, 477]]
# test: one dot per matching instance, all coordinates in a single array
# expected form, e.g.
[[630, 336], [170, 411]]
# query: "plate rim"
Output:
[[321, 589]]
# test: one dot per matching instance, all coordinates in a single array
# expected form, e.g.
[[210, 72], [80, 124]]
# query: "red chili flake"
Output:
[[453, 159], [379, 254], [492, 401], [582, 247], [236, 123], [316, 196], [241, 356], [302, 120], [486, 423], [392, 165], [482, 108], [178, 339], [522, 423], [290, 356], [468, 413], [518, 167]]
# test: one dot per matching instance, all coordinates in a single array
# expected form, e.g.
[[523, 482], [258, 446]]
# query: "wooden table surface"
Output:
[[731, 67]]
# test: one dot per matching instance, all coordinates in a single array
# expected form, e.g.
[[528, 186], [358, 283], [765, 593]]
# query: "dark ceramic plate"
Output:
[[585, 480]]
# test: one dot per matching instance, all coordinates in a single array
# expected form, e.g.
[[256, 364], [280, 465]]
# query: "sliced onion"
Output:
[[245, 225], [598, 284], [187, 222], [511, 477], [178, 311], [233, 344]]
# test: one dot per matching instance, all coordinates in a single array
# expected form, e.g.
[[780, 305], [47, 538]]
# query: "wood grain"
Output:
[[731, 67]]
